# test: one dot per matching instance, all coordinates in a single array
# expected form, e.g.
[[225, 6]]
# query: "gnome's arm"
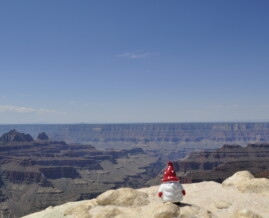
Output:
[[160, 191], [183, 190]]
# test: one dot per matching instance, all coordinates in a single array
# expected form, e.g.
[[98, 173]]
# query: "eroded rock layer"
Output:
[[40, 173], [173, 140], [221, 163]]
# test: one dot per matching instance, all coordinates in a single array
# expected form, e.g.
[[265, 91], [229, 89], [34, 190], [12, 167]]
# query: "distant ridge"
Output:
[[14, 136], [156, 135]]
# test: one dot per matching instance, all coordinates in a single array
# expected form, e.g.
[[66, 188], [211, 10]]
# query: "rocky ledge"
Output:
[[239, 196]]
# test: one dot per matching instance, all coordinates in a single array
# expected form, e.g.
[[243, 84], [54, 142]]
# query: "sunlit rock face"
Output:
[[203, 200], [244, 181]]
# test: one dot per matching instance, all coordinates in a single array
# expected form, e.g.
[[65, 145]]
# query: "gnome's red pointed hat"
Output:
[[170, 173]]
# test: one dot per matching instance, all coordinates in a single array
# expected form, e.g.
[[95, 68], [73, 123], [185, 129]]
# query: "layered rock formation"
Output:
[[13, 136], [170, 140], [221, 163], [37, 174], [42, 136], [240, 196]]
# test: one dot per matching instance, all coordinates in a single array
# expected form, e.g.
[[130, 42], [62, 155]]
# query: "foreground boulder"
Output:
[[244, 181], [123, 197], [203, 200]]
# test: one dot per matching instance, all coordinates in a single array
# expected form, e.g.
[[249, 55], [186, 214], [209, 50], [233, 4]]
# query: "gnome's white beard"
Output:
[[172, 191]]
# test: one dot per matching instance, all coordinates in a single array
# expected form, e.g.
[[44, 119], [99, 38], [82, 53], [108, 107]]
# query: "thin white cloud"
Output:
[[18, 109], [137, 55], [234, 106], [23, 95], [215, 107]]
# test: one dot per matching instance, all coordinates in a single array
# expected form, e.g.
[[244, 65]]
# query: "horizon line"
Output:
[[121, 123]]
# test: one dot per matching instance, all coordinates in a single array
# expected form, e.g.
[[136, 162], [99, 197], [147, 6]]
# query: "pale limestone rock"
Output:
[[167, 210], [200, 202], [107, 211], [195, 212], [81, 211], [237, 178], [244, 181], [123, 197], [245, 214], [222, 204]]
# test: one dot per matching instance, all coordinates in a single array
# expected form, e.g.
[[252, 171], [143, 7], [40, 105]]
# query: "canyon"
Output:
[[48, 165], [35, 174], [171, 141], [221, 163]]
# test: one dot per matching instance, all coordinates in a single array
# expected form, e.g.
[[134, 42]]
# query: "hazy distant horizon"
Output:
[[118, 123]]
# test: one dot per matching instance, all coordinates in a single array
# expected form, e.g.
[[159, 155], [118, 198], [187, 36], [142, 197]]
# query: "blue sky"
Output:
[[121, 61]]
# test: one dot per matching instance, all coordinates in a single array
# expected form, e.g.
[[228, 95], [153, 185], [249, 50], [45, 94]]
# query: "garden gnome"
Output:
[[171, 190]]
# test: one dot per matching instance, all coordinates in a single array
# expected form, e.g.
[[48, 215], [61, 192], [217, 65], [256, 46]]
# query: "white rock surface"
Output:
[[222, 204], [245, 214], [203, 200], [123, 197], [245, 182]]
